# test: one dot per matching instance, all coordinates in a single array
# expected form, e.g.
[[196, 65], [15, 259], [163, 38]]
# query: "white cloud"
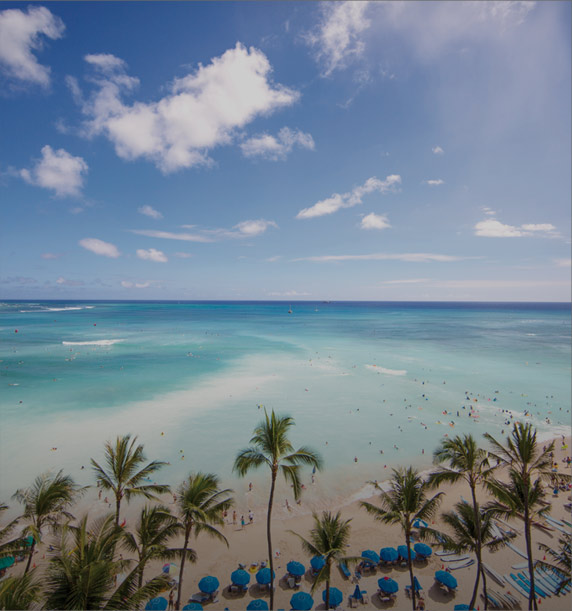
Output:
[[51, 255], [201, 110], [244, 229], [414, 257], [374, 221], [99, 247], [336, 37], [168, 235], [488, 211], [183, 255], [252, 228], [20, 35], [59, 171], [563, 262], [152, 255], [276, 148], [127, 284], [274, 258], [435, 182], [63, 282], [353, 198], [408, 281], [491, 228], [150, 211], [437, 150]]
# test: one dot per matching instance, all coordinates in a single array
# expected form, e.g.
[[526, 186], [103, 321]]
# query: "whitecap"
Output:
[[389, 372], [98, 342]]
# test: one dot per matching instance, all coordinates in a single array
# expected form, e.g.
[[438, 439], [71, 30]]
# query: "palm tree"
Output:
[[19, 592], [7, 548], [83, 571], [155, 527], [525, 462], [468, 535], [329, 538], [463, 460], [406, 502], [525, 499], [124, 476], [562, 560], [45, 502], [201, 505], [271, 447]]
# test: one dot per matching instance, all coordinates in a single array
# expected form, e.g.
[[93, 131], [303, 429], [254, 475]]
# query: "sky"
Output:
[[374, 151]]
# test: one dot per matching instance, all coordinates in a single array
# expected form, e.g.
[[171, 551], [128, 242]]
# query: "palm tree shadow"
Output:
[[436, 593]]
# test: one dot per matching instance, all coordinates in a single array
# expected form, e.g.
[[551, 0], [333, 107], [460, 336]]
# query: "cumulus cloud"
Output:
[[374, 221], [59, 171], [492, 228], [200, 111], [251, 228], [412, 257], [150, 211], [276, 148], [437, 150], [20, 35], [435, 182], [353, 198], [99, 247], [336, 38], [127, 284], [152, 255]]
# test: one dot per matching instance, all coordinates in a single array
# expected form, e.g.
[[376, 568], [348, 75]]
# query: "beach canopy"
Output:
[[208, 585], [462, 608], [446, 579], [301, 601], [423, 549], [193, 607], [263, 576], [258, 604], [402, 551], [387, 585], [370, 556], [318, 563], [6, 562], [388, 554], [336, 596], [157, 604], [357, 593], [240, 577], [420, 523], [296, 568]]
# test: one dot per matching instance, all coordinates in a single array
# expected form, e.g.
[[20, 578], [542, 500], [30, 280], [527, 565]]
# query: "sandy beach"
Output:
[[248, 545]]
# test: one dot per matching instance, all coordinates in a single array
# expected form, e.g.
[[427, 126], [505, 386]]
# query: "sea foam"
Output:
[[98, 342], [389, 372]]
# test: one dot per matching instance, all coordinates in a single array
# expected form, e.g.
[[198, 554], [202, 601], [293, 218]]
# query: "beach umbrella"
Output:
[[167, 567], [263, 576], [423, 549], [318, 563], [296, 568], [336, 596], [193, 607], [157, 604], [446, 579], [388, 554], [240, 577], [417, 585], [6, 562], [402, 551], [370, 556], [357, 593], [258, 604], [387, 585], [28, 541], [208, 585], [420, 523], [462, 608], [301, 601]]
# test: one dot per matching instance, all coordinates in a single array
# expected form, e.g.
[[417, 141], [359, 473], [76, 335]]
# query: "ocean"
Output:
[[371, 386]]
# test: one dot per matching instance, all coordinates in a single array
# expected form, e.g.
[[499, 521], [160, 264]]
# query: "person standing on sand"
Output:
[[242, 522], [234, 517], [171, 600], [250, 516]]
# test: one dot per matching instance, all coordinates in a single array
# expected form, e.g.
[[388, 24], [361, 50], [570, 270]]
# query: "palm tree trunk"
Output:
[[478, 546], [410, 565], [269, 537], [485, 588], [117, 507], [532, 597], [30, 557], [180, 588], [327, 594]]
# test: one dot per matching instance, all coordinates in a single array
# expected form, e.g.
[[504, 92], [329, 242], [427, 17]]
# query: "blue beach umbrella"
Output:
[[240, 577], [336, 596], [388, 554], [370, 556], [193, 607], [402, 551], [417, 585], [462, 608], [357, 593], [296, 568], [420, 523], [301, 601], [6, 562], [423, 549], [446, 579], [258, 604], [208, 585], [387, 585], [263, 576], [157, 604], [318, 563]]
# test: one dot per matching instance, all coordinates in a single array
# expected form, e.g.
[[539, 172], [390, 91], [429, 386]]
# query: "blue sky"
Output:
[[357, 151]]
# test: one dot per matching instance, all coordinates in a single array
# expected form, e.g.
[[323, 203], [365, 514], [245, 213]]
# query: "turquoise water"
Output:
[[357, 377]]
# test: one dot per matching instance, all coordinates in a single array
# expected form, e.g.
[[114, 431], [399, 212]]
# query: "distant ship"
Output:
[[290, 310]]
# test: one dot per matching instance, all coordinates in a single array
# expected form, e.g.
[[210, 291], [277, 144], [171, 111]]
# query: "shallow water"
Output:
[[362, 377]]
